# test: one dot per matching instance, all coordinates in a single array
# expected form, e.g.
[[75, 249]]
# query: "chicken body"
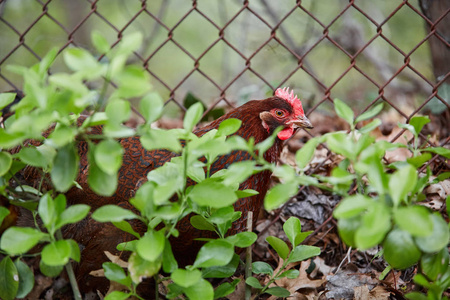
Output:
[[259, 119]]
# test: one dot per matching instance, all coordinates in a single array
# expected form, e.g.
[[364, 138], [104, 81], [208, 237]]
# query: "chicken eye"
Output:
[[279, 113]]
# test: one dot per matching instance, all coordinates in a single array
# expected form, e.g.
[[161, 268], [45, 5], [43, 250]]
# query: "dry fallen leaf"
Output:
[[239, 292], [301, 282], [377, 293]]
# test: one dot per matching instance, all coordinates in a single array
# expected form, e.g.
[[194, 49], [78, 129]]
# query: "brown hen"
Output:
[[259, 119]]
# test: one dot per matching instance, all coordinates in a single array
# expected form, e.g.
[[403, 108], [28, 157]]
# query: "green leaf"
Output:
[[156, 139], [344, 111], [192, 116], [73, 214], [301, 237], [133, 81], [291, 274], [246, 193], [438, 238], [213, 194], [47, 61], [115, 273], [130, 42], [47, 210], [419, 160], [32, 157], [8, 140], [399, 249], [242, 239], [370, 163], [341, 143], [253, 282], [65, 168], [6, 98], [186, 278], [222, 215], [239, 172], [100, 43], [352, 206], [117, 295], [50, 271], [125, 226], [303, 252], [416, 296], [99, 181], [18, 240], [222, 271], [401, 183], [369, 127], [225, 289], [279, 245], [26, 278], [139, 268], [57, 253], [60, 204], [118, 111], [278, 292], [200, 223], [214, 253], [3, 213], [79, 59], [292, 228], [409, 128], [370, 113], [5, 162], [68, 82], [417, 220], [151, 245], [263, 146], [113, 213], [306, 153], [127, 246], [434, 264], [151, 107], [9, 282], [61, 136], [74, 250], [439, 150], [376, 223], [169, 262], [229, 126], [347, 229], [279, 194], [203, 290], [418, 122], [447, 203], [259, 267], [108, 156]]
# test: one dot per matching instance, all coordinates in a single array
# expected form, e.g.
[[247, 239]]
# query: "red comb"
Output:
[[292, 99]]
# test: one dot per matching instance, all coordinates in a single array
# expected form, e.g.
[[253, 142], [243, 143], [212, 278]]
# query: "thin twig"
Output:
[[70, 273], [248, 257], [347, 256]]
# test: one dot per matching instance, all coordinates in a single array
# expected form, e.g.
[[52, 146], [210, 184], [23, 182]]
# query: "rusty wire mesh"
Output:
[[227, 52]]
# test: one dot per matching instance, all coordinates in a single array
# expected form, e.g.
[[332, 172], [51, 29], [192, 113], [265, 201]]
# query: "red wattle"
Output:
[[285, 133]]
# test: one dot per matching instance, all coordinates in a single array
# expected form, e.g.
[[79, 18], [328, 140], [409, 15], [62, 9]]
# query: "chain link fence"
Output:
[[228, 52]]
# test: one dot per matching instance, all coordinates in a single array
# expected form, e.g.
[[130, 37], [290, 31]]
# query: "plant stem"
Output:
[[248, 257], [70, 273], [156, 286]]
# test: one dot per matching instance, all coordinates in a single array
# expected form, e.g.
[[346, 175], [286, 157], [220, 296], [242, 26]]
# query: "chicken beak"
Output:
[[302, 122]]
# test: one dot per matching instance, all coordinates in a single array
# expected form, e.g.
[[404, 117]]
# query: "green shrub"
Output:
[[58, 100]]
